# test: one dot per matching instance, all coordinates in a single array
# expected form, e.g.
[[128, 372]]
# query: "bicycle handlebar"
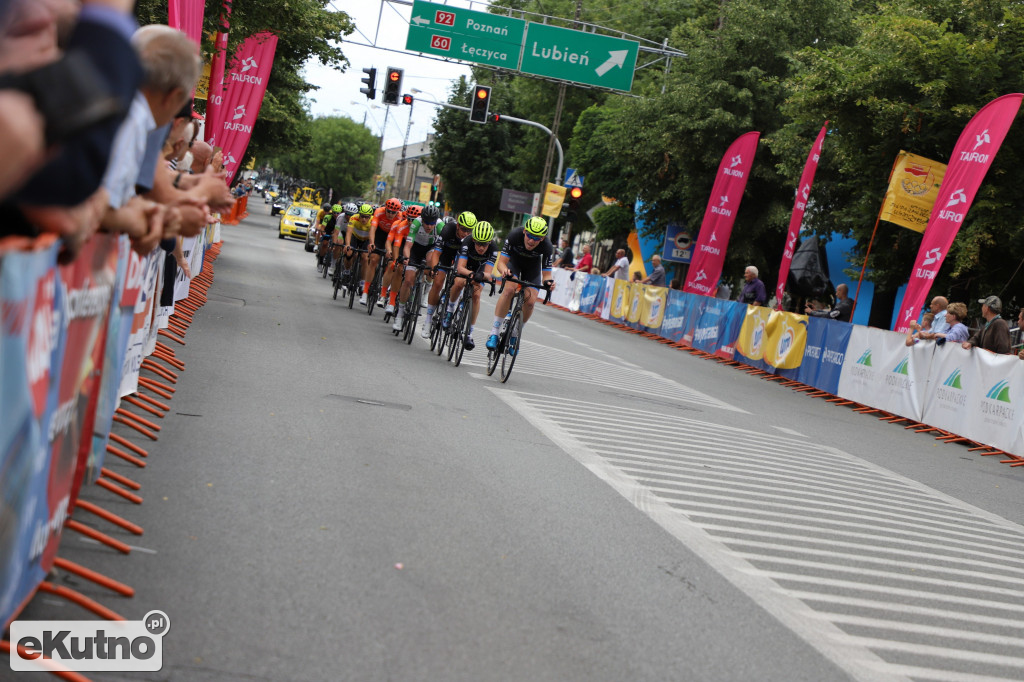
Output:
[[515, 280]]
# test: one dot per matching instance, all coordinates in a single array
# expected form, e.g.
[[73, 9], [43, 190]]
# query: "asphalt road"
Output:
[[328, 503]]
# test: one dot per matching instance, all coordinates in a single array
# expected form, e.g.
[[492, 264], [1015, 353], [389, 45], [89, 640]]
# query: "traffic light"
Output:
[[480, 104], [371, 83], [392, 85], [407, 99], [496, 118], [575, 194]]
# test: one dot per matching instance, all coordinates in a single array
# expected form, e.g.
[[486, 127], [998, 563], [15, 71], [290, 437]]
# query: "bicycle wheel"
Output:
[[412, 314], [442, 335], [515, 329], [353, 282], [463, 326], [454, 339], [374, 293], [326, 262]]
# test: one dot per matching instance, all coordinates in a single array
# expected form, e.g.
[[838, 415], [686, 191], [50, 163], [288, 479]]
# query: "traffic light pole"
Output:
[[558, 146]]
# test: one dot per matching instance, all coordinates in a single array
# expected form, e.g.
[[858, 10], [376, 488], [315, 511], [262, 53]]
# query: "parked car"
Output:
[[297, 221]]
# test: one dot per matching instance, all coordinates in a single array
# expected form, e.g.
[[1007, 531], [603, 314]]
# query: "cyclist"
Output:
[[394, 246], [358, 236], [446, 246], [315, 227], [476, 258], [526, 255], [327, 220], [380, 226], [416, 251], [340, 227]]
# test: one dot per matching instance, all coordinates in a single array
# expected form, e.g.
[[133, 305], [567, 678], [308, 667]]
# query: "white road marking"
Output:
[[888, 578]]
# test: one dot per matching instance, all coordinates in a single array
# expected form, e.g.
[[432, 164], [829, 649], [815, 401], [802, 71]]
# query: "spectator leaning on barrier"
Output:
[[958, 332], [917, 331], [621, 267], [565, 258], [586, 260], [753, 292], [994, 335], [940, 325], [657, 276], [842, 311]]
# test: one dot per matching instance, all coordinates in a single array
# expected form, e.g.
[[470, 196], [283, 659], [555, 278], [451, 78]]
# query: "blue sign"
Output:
[[678, 244], [572, 178], [381, 185]]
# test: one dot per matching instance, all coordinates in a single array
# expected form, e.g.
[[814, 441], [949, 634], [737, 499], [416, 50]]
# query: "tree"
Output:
[[342, 154], [912, 79]]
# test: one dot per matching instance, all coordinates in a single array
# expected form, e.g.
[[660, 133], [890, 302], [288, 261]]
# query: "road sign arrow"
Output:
[[615, 58], [419, 21]]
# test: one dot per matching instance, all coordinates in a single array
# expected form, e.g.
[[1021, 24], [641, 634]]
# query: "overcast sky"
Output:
[[339, 92]]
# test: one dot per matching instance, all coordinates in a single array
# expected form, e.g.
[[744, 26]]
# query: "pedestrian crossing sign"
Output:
[[572, 178]]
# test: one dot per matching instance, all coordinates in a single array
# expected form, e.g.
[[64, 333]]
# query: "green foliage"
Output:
[[305, 29], [341, 154], [613, 222], [473, 158]]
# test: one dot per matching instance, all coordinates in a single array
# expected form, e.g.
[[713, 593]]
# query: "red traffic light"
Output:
[[407, 99], [482, 93], [394, 75], [576, 192]]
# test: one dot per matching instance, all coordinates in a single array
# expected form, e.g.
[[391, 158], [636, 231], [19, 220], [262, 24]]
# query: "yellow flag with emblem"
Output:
[[913, 186], [554, 197]]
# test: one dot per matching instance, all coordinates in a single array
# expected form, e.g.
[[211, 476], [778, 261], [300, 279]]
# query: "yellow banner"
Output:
[[203, 86], [912, 190], [636, 302], [424, 192], [554, 197], [751, 341], [655, 299], [785, 340], [620, 298]]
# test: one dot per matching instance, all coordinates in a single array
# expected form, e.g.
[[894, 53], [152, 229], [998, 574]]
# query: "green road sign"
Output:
[[578, 56], [466, 35]]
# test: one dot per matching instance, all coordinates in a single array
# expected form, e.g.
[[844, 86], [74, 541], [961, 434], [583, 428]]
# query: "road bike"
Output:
[[510, 337], [436, 333], [455, 335], [377, 282], [412, 307], [351, 285]]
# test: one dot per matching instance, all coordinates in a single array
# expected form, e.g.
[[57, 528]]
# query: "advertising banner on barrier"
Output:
[[88, 284], [976, 394], [823, 355], [636, 300], [751, 343], [653, 310], [673, 323], [145, 310], [619, 301], [881, 371], [786, 340], [694, 305], [119, 328], [562, 294], [593, 294], [577, 291], [717, 328], [28, 377]]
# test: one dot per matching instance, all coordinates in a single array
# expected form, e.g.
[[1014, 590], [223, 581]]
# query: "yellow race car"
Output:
[[297, 221]]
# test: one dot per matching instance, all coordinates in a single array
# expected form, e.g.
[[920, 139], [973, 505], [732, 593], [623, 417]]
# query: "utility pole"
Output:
[[380, 160], [405, 173]]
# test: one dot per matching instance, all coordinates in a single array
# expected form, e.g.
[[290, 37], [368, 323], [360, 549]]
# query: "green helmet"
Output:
[[336, 208], [366, 209], [466, 220], [536, 227], [483, 232]]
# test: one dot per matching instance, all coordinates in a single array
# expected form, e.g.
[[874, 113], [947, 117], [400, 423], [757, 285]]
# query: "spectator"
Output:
[[843, 310], [753, 292], [958, 332], [1020, 325], [586, 261], [566, 258], [994, 335], [595, 271], [621, 267], [636, 276], [916, 330], [657, 276], [938, 306]]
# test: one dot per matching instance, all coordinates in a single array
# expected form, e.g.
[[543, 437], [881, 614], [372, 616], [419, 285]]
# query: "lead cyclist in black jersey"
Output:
[[527, 256], [476, 259]]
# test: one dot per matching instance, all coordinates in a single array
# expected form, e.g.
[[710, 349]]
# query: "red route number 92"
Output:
[[444, 18]]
